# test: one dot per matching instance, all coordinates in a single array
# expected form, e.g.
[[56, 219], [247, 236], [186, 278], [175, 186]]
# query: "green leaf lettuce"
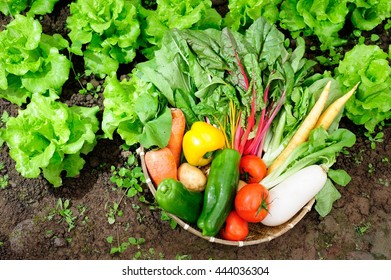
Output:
[[30, 61], [50, 137]]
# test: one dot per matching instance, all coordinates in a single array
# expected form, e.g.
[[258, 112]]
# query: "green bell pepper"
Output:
[[220, 191], [173, 197]]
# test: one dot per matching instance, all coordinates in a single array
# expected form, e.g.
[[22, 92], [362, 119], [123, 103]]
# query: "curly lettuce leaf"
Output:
[[368, 14], [179, 14], [323, 19], [242, 13], [105, 33], [371, 103], [36, 7], [50, 137], [134, 109], [13, 7], [30, 61], [42, 7]]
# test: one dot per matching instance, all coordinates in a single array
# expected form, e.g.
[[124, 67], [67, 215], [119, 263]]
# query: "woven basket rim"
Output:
[[277, 231]]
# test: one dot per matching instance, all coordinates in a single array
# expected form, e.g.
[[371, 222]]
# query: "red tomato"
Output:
[[252, 169], [252, 202], [236, 229]]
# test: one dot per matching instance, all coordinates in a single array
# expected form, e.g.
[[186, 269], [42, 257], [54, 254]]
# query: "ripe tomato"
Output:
[[252, 202], [252, 169], [236, 229]]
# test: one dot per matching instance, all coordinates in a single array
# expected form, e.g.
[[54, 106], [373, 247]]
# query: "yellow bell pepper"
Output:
[[201, 139]]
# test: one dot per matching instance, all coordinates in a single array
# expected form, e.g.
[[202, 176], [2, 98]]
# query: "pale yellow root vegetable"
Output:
[[192, 177], [328, 116], [304, 130]]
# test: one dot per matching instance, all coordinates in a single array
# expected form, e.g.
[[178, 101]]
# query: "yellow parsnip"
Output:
[[328, 116], [304, 130]]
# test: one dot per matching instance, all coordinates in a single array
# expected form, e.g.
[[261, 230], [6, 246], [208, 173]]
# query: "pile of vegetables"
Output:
[[235, 189], [230, 111], [242, 97]]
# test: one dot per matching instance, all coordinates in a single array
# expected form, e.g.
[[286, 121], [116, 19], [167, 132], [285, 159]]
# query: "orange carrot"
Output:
[[161, 164], [177, 132]]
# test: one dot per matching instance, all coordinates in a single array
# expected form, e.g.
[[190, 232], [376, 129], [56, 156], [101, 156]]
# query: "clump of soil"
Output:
[[358, 227]]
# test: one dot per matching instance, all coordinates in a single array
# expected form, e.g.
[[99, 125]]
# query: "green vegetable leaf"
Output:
[[157, 131], [49, 137], [36, 7], [369, 14], [371, 104], [323, 19], [30, 61], [119, 109], [325, 198], [53, 74], [340, 176], [179, 14], [13, 7], [242, 13], [108, 31]]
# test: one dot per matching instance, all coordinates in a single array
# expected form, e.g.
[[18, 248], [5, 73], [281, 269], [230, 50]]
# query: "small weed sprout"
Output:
[[64, 212], [3, 178], [378, 138], [114, 212], [165, 217], [129, 177], [121, 247], [362, 229], [371, 168]]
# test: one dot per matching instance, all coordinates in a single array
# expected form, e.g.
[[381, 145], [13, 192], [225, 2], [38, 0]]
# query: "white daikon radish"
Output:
[[288, 197]]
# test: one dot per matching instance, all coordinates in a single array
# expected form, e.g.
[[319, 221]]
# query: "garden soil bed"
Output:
[[358, 227]]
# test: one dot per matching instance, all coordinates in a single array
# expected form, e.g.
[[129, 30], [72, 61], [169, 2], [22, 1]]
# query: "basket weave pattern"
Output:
[[258, 232]]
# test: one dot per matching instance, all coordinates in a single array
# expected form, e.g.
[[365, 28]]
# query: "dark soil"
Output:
[[358, 227]]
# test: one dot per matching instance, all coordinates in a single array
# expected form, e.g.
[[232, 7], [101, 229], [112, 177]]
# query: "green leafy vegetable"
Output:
[[321, 18], [367, 14], [108, 30], [371, 104], [340, 176], [242, 13], [30, 61], [325, 198], [50, 137], [180, 14], [36, 7], [329, 193], [133, 109]]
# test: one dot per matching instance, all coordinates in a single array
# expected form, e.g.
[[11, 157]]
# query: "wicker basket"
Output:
[[258, 232]]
